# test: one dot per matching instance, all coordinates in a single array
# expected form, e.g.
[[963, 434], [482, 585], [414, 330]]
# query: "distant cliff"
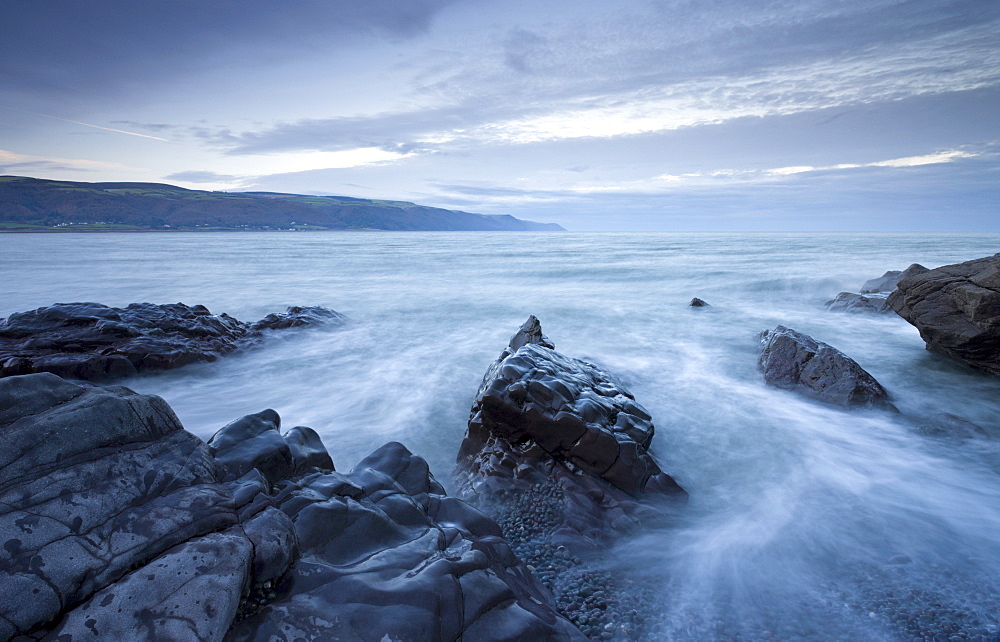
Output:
[[37, 204]]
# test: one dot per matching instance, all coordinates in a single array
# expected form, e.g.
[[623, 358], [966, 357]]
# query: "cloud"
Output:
[[36, 167], [402, 133], [12, 161], [196, 176], [541, 191], [520, 47], [715, 176], [58, 46], [591, 85], [156, 127], [909, 161], [933, 196], [927, 159]]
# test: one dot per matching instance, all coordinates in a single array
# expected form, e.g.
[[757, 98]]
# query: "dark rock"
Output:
[[117, 524], [386, 555], [552, 407], [254, 442], [106, 499], [308, 452], [887, 282], [95, 342], [956, 308], [851, 302], [191, 592], [556, 451], [796, 361], [698, 303], [296, 317]]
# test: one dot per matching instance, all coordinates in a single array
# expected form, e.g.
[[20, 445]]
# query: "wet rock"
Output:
[[851, 302], [118, 524], [101, 488], [191, 592], [557, 452], [874, 293], [95, 342], [549, 407], [388, 556], [956, 308], [298, 316], [255, 442], [796, 361], [887, 282], [698, 303]]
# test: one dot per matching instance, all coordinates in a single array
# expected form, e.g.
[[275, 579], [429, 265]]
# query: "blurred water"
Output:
[[804, 521]]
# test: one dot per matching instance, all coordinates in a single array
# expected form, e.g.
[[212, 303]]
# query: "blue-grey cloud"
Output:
[[522, 46], [672, 71], [153, 127], [925, 198], [198, 176], [36, 167], [55, 47]]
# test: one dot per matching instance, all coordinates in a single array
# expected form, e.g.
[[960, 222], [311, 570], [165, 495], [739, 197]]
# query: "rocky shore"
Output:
[[116, 523], [95, 342]]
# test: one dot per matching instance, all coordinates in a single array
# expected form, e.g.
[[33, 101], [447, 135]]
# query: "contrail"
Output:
[[76, 122]]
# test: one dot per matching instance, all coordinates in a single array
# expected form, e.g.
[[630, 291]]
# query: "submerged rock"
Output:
[[851, 302], [95, 342], [951, 426], [956, 308], [298, 316], [116, 523], [796, 361], [698, 303], [557, 451]]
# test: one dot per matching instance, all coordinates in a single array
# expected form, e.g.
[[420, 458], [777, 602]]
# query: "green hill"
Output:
[[37, 204]]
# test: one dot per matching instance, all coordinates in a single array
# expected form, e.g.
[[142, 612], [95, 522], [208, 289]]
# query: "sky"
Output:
[[742, 115]]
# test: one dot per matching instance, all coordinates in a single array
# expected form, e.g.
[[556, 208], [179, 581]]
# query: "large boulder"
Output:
[[956, 308], [553, 407], [557, 451], [95, 342], [116, 523], [796, 361]]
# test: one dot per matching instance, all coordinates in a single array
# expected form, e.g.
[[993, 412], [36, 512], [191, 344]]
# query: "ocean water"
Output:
[[805, 521]]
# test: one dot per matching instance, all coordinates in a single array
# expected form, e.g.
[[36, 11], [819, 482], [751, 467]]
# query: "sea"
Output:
[[804, 522]]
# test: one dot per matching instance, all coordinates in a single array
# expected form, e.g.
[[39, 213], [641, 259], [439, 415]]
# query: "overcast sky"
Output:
[[624, 115]]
